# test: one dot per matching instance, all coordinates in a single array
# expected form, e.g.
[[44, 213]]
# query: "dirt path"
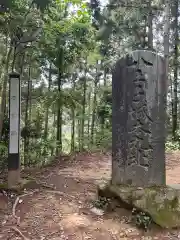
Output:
[[173, 167], [66, 213]]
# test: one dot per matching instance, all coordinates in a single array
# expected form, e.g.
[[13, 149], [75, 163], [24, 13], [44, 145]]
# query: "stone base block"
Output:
[[161, 203], [21, 185]]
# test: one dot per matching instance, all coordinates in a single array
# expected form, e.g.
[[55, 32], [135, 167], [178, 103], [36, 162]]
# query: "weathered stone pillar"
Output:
[[138, 120]]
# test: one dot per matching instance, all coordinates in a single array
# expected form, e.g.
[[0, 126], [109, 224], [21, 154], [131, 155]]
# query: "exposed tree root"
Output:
[[20, 233], [48, 176], [16, 203], [60, 193], [41, 183], [44, 185]]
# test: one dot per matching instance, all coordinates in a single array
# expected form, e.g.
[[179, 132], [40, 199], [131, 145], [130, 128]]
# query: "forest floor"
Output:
[[67, 211]]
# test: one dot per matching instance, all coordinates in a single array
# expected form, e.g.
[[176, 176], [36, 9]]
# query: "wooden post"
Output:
[[14, 129]]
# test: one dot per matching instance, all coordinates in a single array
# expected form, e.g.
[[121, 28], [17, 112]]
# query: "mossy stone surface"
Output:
[[161, 203], [27, 184], [23, 184], [3, 186]]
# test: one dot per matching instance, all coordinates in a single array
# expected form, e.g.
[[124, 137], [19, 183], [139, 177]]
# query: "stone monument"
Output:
[[138, 120], [139, 88]]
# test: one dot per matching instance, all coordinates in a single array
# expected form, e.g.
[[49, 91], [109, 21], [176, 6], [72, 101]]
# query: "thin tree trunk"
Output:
[[47, 109], [13, 60], [175, 65], [166, 37], [73, 121], [4, 91], [26, 121], [94, 107], [144, 34], [105, 75], [52, 148], [30, 100], [89, 117], [73, 130], [150, 27], [171, 92], [59, 116], [83, 111], [166, 49], [4, 61], [79, 133]]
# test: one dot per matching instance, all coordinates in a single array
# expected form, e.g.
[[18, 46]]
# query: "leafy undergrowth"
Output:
[[65, 206], [141, 219]]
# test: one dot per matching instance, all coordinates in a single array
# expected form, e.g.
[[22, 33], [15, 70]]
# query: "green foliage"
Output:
[[3, 155], [39, 152], [104, 139], [7, 5], [172, 146], [102, 203], [5, 130], [30, 131], [141, 219]]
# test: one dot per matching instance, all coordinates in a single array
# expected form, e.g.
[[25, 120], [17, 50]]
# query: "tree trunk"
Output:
[[4, 91], [94, 107], [73, 130], [26, 120], [3, 62], [30, 100], [166, 38], [73, 121], [105, 75], [83, 111], [175, 65], [89, 117], [144, 33], [47, 109], [59, 116], [150, 27], [79, 133], [166, 47], [54, 123]]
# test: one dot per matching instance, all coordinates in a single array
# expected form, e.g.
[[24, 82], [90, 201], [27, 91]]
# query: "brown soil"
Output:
[[65, 213]]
